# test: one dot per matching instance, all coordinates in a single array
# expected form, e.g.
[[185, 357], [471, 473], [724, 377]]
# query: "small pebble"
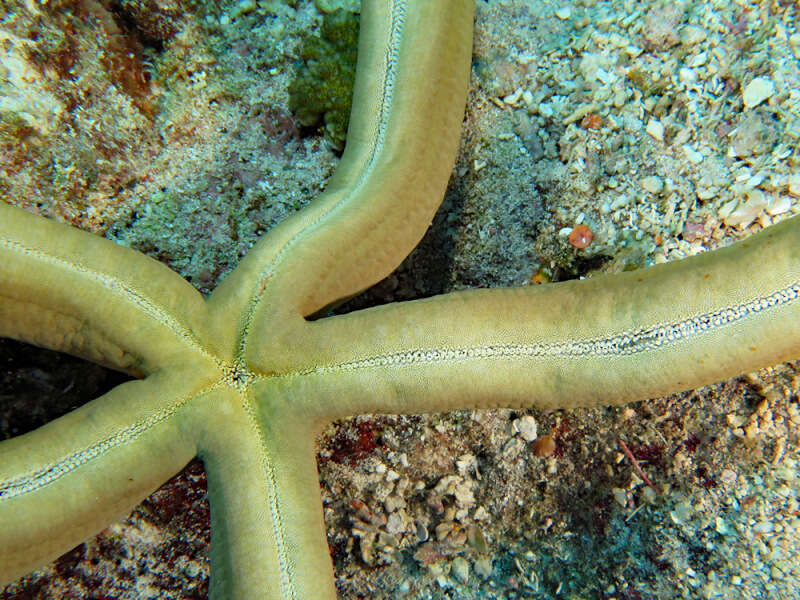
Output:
[[692, 34], [483, 567], [242, 8], [527, 97], [692, 155], [395, 523], [564, 13], [699, 60], [747, 212], [514, 97], [758, 90], [527, 428], [694, 230], [656, 129], [764, 527], [687, 75], [720, 526], [459, 568], [728, 476], [726, 209], [653, 184], [794, 185]]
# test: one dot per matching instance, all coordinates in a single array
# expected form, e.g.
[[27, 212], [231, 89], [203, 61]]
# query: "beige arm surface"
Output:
[[71, 291], [411, 83], [245, 381], [267, 531], [600, 341], [67, 480]]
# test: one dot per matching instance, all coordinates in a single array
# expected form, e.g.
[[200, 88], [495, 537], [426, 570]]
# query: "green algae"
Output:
[[321, 93], [329, 6]]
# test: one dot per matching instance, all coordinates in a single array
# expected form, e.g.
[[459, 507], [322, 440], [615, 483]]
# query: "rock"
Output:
[[463, 494], [794, 185], [682, 513], [446, 485], [693, 34], [747, 212], [476, 539], [687, 75], [393, 503], [466, 463], [459, 568], [699, 60], [728, 476], [242, 8], [564, 12], [457, 487], [421, 531], [720, 526], [755, 135], [481, 514], [396, 522], [693, 231], [656, 129], [514, 97], [726, 209], [526, 427], [512, 449], [653, 184], [483, 567], [764, 527], [527, 97], [444, 529], [758, 90], [661, 26], [692, 155]]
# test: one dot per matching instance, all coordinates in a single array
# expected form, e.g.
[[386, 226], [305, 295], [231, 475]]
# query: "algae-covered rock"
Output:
[[329, 6], [322, 91]]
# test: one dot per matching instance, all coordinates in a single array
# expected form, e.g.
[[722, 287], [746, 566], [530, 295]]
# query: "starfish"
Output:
[[247, 378]]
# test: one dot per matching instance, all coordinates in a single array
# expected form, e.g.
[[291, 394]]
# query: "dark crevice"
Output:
[[38, 386]]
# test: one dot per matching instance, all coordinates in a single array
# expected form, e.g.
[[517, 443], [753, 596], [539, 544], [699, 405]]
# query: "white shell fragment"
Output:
[[748, 211], [779, 206], [757, 91], [564, 13], [653, 184], [656, 129], [527, 428], [794, 185]]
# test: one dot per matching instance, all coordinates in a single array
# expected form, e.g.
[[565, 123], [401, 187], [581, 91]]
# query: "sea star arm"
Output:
[[604, 340], [408, 104], [51, 285], [267, 531], [250, 397], [67, 480]]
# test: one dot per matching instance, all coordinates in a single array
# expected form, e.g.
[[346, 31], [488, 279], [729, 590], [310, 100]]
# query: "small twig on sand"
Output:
[[636, 466]]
